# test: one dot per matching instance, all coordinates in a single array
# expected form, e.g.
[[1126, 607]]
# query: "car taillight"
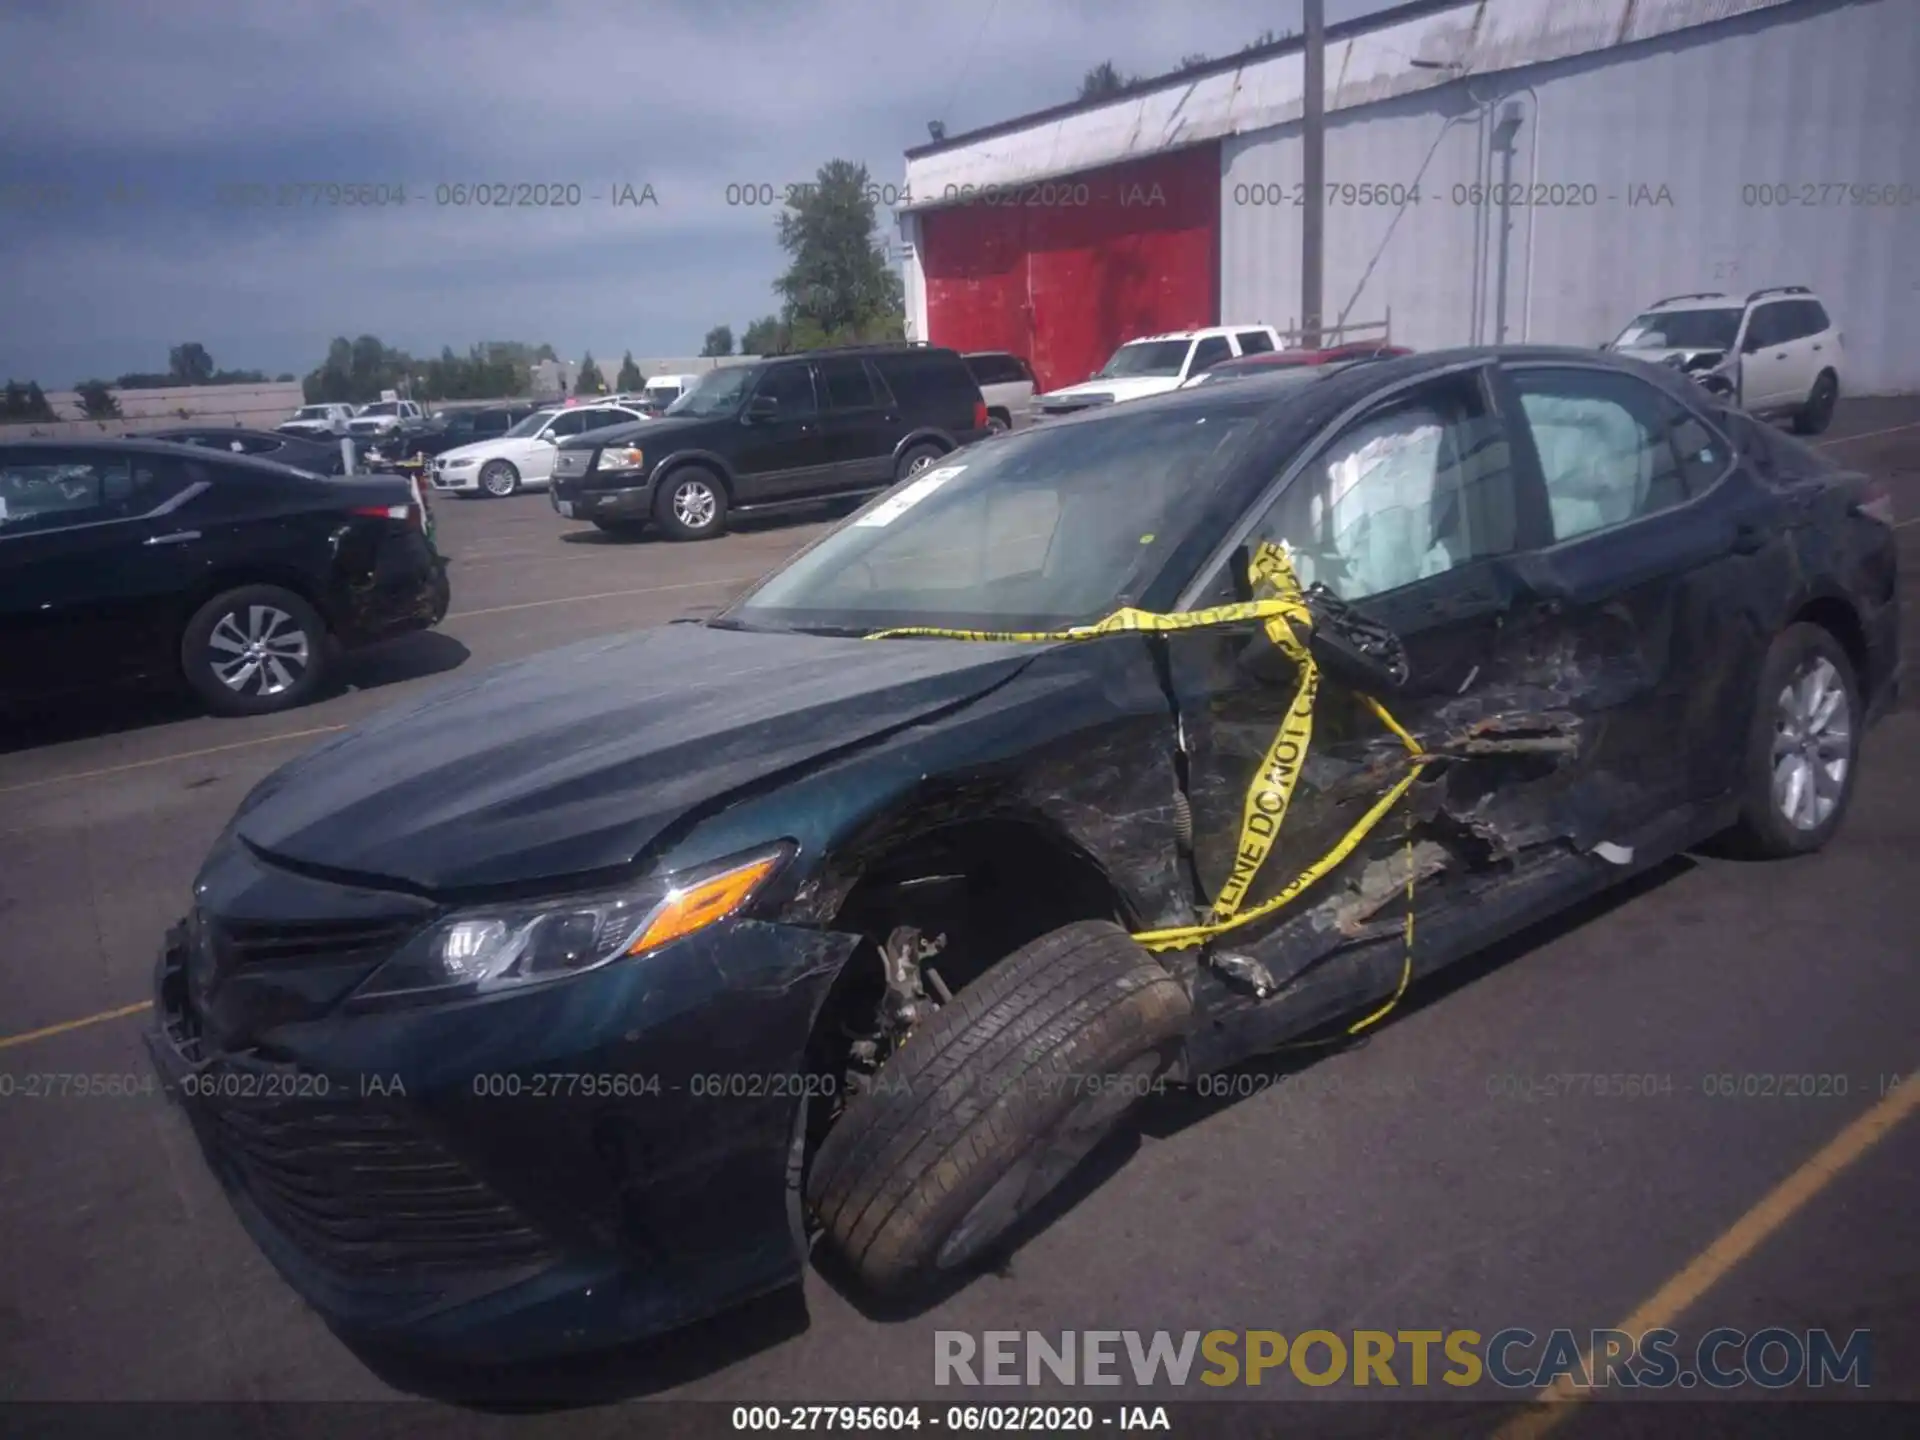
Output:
[[1875, 502], [979, 414], [385, 512]]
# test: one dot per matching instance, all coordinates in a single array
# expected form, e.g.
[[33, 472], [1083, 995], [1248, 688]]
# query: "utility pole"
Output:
[[1313, 170]]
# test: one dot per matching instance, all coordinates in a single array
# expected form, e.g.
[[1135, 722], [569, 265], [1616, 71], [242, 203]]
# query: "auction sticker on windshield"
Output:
[[892, 510]]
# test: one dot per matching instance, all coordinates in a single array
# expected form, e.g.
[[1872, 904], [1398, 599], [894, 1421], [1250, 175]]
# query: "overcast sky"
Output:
[[175, 100]]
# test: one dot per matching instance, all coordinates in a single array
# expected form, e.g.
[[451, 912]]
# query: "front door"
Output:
[[1768, 369], [1408, 514], [860, 425], [93, 547], [782, 453]]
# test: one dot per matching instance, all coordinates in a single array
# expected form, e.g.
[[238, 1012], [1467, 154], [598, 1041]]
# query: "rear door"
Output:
[[96, 550], [1207, 353], [1637, 608], [859, 424]]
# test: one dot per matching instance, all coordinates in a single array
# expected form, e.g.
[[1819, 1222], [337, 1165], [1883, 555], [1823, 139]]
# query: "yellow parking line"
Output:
[[168, 759], [1868, 434], [1667, 1304], [7, 1042]]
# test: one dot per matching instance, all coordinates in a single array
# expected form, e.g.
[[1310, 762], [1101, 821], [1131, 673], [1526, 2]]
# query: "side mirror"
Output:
[[762, 407]]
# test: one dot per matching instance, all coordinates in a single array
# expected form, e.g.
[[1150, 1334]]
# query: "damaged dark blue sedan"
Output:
[[569, 1005]]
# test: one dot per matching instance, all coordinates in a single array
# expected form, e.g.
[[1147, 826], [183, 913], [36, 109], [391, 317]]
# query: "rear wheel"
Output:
[[691, 505], [1817, 413], [918, 459], [1802, 748], [499, 479], [254, 650], [992, 1102]]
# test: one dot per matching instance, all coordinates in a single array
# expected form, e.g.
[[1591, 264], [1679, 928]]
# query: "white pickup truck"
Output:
[[384, 417], [1155, 364]]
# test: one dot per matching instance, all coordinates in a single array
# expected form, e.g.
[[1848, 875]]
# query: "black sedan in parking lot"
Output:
[[321, 457], [560, 1007], [142, 560]]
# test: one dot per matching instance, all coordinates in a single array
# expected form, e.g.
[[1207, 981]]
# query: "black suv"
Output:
[[781, 432]]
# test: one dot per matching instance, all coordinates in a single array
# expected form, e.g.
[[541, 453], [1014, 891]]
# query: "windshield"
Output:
[[1681, 330], [1055, 526], [718, 392], [1145, 358], [532, 425], [384, 407]]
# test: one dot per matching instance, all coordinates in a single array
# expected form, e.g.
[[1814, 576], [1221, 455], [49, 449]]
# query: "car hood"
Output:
[[576, 760], [673, 429], [1687, 357], [482, 449], [1135, 388]]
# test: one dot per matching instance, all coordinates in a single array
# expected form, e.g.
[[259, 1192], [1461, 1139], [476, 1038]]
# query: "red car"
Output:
[[1287, 359]]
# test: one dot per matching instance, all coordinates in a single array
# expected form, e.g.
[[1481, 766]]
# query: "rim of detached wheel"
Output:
[[265, 654], [694, 504], [498, 480], [1812, 744]]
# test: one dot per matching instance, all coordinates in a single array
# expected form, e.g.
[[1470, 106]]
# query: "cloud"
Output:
[[690, 96]]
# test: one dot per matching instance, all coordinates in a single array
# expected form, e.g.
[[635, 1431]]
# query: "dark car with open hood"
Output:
[[569, 1004]]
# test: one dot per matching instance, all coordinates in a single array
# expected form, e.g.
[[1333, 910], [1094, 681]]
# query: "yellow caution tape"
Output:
[[1287, 619]]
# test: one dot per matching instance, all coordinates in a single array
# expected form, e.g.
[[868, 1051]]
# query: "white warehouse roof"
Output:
[[1410, 48]]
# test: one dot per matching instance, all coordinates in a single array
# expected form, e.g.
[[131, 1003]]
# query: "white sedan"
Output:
[[524, 455]]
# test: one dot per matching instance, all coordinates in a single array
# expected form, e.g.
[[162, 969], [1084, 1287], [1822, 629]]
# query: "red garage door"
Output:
[[1064, 271]]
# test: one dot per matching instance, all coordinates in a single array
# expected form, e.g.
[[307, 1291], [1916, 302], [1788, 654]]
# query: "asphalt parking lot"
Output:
[[1423, 1180]]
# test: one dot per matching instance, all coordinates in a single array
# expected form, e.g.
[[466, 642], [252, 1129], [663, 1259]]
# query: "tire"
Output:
[[917, 459], [997, 423], [1817, 413], [691, 505], [978, 1117], [230, 620], [499, 479], [1799, 654]]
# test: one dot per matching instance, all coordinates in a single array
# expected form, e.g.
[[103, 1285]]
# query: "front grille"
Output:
[[240, 943], [362, 1192]]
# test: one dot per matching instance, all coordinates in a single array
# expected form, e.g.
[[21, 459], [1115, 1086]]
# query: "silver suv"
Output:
[[1006, 384], [1776, 353]]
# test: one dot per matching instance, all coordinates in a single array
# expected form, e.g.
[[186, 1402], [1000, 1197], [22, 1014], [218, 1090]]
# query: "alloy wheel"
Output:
[[920, 462], [694, 504], [261, 652], [1812, 744], [498, 481]]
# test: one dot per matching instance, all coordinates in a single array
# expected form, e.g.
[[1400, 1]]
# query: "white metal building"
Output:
[[1501, 169]]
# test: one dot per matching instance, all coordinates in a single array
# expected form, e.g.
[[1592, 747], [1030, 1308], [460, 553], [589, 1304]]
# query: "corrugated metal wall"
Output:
[[1632, 175], [1065, 271]]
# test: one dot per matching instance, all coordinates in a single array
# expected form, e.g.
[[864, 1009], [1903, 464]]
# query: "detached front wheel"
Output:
[[994, 1101]]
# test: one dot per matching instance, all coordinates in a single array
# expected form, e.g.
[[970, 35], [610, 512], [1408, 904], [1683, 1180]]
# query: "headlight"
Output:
[[493, 947], [460, 464], [621, 457]]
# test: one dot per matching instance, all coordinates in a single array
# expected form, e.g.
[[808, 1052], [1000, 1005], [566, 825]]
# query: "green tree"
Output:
[[190, 364], [1195, 60], [97, 401], [286, 379], [765, 336], [838, 287], [719, 341], [1103, 81], [589, 381], [24, 402], [629, 377]]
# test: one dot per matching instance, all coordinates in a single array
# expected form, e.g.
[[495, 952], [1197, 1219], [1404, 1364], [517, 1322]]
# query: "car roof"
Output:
[[136, 445], [1203, 333]]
